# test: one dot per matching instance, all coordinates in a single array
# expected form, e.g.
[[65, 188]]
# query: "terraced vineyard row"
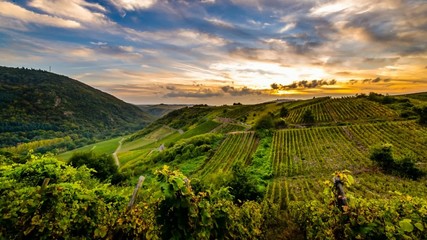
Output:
[[343, 109], [237, 147], [300, 154], [301, 151]]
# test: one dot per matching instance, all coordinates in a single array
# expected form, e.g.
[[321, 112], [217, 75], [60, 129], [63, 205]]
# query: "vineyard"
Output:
[[237, 147], [342, 109], [213, 173], [301, 158]]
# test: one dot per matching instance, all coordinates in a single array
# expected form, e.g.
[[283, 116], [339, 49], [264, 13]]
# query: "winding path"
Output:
[[116, 159]]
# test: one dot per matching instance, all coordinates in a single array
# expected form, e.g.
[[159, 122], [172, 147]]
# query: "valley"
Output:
[[274, 159]]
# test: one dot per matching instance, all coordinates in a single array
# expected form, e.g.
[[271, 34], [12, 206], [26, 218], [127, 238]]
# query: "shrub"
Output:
[[308, 117], [265, 122], [382, 155], [404, 166], [103, 164], [243, 186], [284, 112]]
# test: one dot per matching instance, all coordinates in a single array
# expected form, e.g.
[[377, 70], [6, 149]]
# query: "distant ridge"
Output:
[[38, 104], [159, 110]]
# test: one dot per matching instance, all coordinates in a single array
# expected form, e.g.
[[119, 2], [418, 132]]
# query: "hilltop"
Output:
[[41, 105], [159, 110]]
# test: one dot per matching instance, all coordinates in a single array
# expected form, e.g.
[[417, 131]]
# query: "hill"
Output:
[[159, 110], [259, 172], [187, 122], [40, 105]]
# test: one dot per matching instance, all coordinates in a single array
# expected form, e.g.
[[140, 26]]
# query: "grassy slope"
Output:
[[107, 147], [301, 157], [160, 110]]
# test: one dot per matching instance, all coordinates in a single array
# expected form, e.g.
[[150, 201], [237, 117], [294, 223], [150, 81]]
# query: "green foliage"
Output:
[[383, 156], [404, 166], [243, 185], [182, 214], [422, 113], [41, 146], [280, 124], [41, 105], [71, 205], [308, 117], [261, 166], [395, 218], [201, 145], [401, 217], [103, 164], [284, 112], [136, 223], [265, 122]]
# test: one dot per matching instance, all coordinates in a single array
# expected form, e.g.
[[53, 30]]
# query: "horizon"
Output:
[[219, 52]]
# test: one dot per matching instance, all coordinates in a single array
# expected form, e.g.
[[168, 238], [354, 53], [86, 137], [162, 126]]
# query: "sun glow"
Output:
[[260, 75]]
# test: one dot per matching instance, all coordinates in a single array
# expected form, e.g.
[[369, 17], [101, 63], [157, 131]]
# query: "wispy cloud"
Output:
[[77, 10], [132, 5], [10, 10], [203, 93], [218, 51]]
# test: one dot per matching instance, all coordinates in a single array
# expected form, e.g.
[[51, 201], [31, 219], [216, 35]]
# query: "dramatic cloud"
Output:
[[78, 10], [11, 10], [376, 80], [304, 84], [215, 51], [240, 92], [132, 5]]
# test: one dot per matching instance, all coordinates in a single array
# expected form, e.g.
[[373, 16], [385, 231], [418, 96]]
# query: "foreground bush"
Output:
[[48, 199], [401, 217]]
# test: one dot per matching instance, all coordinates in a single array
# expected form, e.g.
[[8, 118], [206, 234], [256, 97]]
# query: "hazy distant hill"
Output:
[[159, 110], [37, 104]]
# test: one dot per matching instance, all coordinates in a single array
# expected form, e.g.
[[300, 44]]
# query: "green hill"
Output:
[[40, 105], [187, 122], [270, 180], [160, 110]]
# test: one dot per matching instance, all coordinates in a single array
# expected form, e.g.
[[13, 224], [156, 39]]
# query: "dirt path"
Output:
[[116, 159]]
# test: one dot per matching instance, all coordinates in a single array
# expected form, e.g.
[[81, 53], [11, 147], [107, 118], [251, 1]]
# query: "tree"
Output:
[[383, 156], [104, 164], [422, 112], [308, 117], [280, 124], [404, 166], [284, 112], [265, 122], [243, 186]]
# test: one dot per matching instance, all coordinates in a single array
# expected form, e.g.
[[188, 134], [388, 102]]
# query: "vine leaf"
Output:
[[406, 225], [419, 226]]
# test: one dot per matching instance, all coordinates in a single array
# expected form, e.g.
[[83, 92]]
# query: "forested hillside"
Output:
[[41, 105]]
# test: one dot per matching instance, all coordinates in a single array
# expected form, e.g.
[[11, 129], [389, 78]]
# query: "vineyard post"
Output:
[[135, 191], [339, 192], [44, 184]]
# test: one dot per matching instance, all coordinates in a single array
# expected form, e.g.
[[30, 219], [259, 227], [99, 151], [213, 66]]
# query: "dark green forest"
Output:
[[38, 105]]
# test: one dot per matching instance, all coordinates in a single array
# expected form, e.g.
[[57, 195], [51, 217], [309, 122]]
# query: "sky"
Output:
[[222, 51]]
